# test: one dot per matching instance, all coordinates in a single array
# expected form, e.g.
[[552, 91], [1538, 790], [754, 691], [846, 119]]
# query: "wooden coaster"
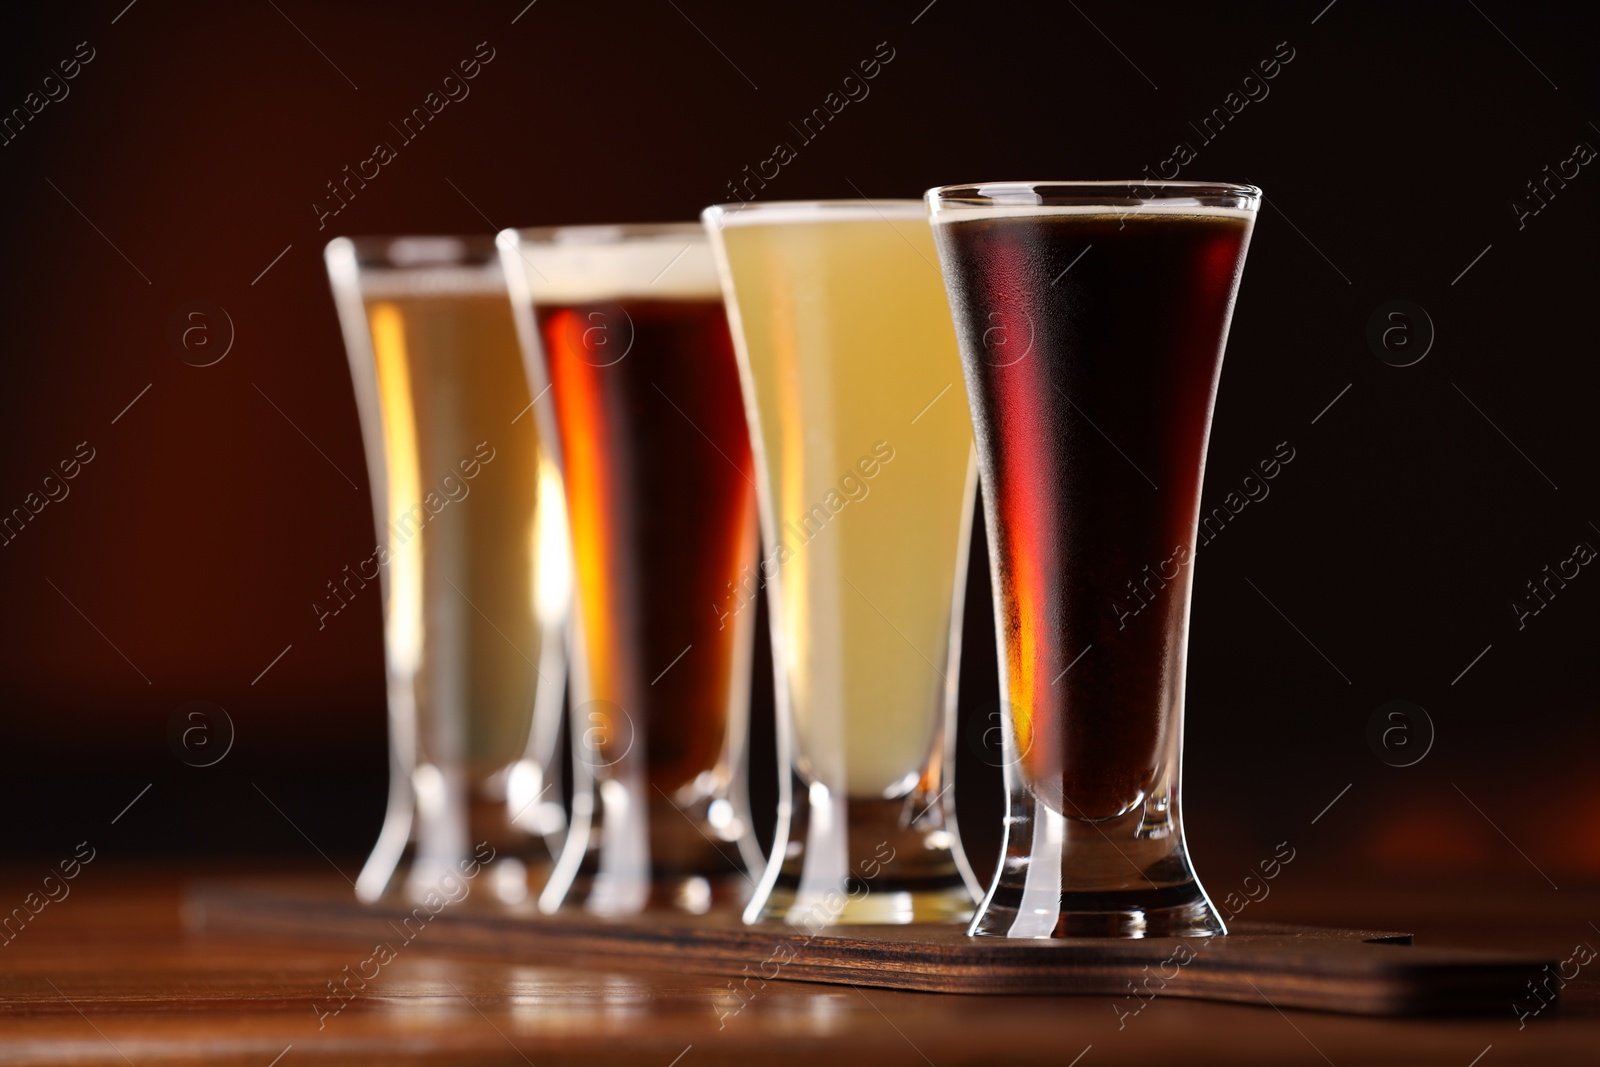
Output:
[[1364, 972]]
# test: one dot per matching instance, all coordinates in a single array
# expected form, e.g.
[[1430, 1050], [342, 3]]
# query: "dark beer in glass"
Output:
[[1092, 319]]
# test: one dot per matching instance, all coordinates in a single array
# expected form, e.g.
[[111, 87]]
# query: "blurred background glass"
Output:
[[474, 583]]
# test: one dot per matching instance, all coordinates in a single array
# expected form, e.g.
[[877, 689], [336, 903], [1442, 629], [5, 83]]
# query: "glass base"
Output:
[[507, 879], [623, 857], [1124, 876], [691, 894], [864, 861], [865, 905], [1173, 911], [442, 832]]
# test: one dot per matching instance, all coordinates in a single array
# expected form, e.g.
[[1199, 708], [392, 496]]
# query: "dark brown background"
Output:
[[1396, 140]]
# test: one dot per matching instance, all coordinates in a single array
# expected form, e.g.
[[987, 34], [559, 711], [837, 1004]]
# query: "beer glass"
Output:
[[470, 558], [1092, 318], [854, 395], [626, 343]]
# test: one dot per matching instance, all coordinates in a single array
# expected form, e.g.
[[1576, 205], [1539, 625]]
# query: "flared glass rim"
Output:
[[1130, 194], [413, 251], [592, 234], [776, 211], [578, 264]]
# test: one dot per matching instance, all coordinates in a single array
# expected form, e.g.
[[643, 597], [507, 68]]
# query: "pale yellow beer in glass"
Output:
[[854, 394]]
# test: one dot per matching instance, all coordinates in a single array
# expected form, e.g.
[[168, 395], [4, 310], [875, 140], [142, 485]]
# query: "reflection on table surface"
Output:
[[107, 975]]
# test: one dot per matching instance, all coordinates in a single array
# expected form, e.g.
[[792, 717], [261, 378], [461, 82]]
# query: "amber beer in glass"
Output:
[[624, 327], [1092, 318], [470, 558], [854, 395]]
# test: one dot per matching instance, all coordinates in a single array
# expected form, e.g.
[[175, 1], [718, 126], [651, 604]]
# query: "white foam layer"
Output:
[[946, 213], [380, 284], [789, 212], [585, 264]]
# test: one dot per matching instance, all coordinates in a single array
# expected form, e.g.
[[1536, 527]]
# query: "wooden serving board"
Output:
[[1365, 972]]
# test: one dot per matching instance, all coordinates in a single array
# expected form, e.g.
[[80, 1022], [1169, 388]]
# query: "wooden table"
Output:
[[109, 975]]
